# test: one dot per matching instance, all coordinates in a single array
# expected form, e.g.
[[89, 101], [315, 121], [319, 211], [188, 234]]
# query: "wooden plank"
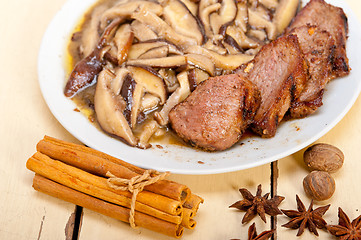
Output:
[[25, 118], [215, 220], [346, 136]]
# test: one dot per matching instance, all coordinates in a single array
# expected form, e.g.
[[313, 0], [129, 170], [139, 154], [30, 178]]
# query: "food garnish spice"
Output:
[[252, 233], [323, 157], [319, 185], [258, 204], [346, 229], [306, 218]]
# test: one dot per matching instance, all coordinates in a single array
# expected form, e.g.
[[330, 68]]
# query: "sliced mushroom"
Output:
[[285, 11], [90, 35], [136, 104], [241, 38], [192, 6], [124, 10], [179, 17], [241, 19], [259, 22], [149, 102], [159, 26], [142, 32], [202, 62], [213, 47], [227, 13], [165, 62], [150, 80], [204, 15], [85, 72], [147, 132], [123, 40], [227, 62], [258, 34], [170, 79], [271, 4], [176, 97], [195, 77], [140, 48], [158, 52], [109, 109], [117, 83]]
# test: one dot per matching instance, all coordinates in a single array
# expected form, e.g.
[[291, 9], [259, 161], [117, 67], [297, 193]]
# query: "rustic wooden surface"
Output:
[[25, 119]]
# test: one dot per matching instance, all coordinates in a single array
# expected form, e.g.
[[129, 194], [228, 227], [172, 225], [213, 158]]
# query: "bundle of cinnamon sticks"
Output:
[[79, 175]]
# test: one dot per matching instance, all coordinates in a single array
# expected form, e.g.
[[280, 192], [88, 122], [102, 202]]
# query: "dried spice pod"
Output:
[[323, 157], [319, 185]]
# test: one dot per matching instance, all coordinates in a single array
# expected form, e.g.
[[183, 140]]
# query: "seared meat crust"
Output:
[[215, 115], [280, 73], [318, 47], [333, 20]]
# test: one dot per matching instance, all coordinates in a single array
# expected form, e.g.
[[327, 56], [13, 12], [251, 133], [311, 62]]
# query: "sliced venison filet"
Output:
[[333, 20], [318, 48], [280, 73], [215, 115]]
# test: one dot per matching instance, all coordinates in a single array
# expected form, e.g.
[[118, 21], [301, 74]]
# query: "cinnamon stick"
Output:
[[54, 189], [193, 202], [97, 187], [187, 219], [99, 163]]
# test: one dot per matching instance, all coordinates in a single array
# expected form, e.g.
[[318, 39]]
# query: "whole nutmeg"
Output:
[[319, 185], [323, 157]]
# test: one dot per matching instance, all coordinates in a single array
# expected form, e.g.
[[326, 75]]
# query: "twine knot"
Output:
[[134, 185]]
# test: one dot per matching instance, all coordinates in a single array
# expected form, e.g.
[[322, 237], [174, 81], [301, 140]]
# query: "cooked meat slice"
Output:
[[216, 113], [318, 48], [333, 20], [280, 73]]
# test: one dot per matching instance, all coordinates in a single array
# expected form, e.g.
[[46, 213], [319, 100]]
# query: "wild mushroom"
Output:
[[109, 109], [227, 13], [285, 11], [159, 26], [179, 17], [241, 38], [205, 9], [125, 10], [148, 129], [123, 40], [142, 32], [170, 79], [140, 48], [241, 19], [176, 97], [85, 71], [227, 62], [150, 80], [261, 23], [158, 52], [202, 62], [164, 62]]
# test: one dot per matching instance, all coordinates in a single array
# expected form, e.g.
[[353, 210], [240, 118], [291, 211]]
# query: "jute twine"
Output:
[[134, 185]]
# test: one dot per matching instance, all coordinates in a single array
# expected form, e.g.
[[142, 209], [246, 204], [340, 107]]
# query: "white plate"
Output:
[[291, 135]]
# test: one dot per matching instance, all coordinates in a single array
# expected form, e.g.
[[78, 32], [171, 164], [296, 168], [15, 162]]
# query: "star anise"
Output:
[[345, 229], [258, 204], [252, 233], [306, 218]]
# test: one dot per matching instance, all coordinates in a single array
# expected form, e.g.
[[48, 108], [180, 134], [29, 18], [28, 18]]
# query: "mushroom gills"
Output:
[[109, 109]]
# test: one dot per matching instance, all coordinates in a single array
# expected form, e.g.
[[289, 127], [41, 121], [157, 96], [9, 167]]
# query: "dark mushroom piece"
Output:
[[109, 109], [85, 72]]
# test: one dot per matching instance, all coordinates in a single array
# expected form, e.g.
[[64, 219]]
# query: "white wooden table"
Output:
[[25, 119]]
